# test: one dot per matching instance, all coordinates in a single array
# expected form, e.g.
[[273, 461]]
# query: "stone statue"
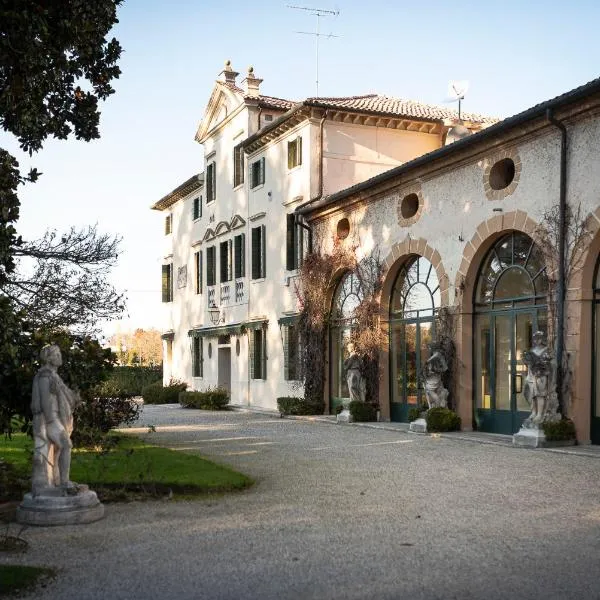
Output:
[[354, 377], [538, 388], [52, 405], [437, 394], [54, 498]]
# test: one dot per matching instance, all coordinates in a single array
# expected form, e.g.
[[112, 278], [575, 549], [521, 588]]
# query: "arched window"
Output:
[[347, 297], [415, 298], [510, 305]]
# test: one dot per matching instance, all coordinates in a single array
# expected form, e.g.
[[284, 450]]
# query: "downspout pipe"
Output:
[[561, 256]]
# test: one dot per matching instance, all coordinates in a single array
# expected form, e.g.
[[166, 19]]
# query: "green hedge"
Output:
[[291, 405], [362, 411], [559, 431], [155, 393], [130, 380], [442, 419], [211, 399]]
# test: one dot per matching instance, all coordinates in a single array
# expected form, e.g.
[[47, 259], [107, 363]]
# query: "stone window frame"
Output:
[[489, 162], [416, 189]]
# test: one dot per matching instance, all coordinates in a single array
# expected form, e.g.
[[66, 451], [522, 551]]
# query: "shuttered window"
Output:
[[291, 243], [225, 258], [291, 353], [198, 272], [295, 153], [167, 283], [211, 182], [239, 243], [259, 270], [168, 224], [211, 266], [238, 166], [257, 354], [197, 358], [197, 208], [257, 172]]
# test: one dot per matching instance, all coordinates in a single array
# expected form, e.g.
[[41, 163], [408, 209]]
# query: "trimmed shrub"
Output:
[[559, 431], [98, 414], [290, 405], [442, 419], [132, 380], [415, 412], [156, 393], [211, 399], [362, 411]]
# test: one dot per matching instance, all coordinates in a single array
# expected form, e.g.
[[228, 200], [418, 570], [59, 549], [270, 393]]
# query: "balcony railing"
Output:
[[240, 291], [225, 294], [211, 294]]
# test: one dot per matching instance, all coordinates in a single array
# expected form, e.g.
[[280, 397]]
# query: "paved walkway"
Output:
[[341, 512]]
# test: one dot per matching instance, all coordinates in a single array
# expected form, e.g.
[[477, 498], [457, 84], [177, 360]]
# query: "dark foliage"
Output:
[[362, 411], [130, 380], [559, 431], [441, 419], [211, 399], [291, 405], [155, 393]]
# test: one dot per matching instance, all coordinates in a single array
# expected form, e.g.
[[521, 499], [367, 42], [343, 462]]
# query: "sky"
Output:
[[514, 54]]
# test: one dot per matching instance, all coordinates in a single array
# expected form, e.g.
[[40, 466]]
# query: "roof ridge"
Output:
[[359, 97]]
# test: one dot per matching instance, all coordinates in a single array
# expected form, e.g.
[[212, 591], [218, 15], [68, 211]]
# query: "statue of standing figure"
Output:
[[538, 383], [52, 405], [357, 386], [435, 367]]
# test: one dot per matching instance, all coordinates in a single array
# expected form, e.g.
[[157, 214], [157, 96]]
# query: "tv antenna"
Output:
[[317, 12], [457, 90]]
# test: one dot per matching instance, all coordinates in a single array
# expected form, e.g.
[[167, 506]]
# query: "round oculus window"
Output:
[[409, 206], [502, 174], [343, 229]]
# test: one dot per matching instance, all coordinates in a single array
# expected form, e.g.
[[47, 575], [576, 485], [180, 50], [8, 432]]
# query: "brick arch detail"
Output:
[[412, 246], [486, 233]]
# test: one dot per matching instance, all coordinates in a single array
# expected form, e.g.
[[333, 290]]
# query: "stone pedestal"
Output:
[[529, 438], [418, 426], [345, 416], [53, 508]]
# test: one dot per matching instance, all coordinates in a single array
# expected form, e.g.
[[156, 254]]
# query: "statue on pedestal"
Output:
[[539, 383], [437, 394], [54, 498], [353, 368]]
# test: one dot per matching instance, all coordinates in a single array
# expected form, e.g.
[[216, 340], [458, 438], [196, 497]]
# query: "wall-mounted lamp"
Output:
[[214, 312]]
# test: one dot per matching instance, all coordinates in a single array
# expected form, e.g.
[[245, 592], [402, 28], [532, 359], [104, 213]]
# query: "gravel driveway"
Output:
[[341, 512]]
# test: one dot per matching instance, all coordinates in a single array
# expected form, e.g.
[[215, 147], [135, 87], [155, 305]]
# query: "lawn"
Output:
[[15, 579], [129, 469]]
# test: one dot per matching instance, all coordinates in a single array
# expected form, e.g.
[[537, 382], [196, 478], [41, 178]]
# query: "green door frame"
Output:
[[399, 409], [494, 420]]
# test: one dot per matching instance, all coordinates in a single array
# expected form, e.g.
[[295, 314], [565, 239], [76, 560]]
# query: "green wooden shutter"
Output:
[[201, 357], [299, 151], [200, 272], [223, 260], [214, 181], [263, 251], [290, 147], [262, 170], [165, 283], [239, 255], [290, 243], [263, 353], [211, 264], [256, 253], [251, 354], [286, 352]]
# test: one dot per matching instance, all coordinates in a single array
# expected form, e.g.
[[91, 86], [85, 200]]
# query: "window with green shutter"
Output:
[[197, 358], [198, 272], [211, 265], [257, 172], [259, 270], [295, 153], [291, 353], [167, 283], [257, 353], [211, 182], [225, 257], [239, 242], [291, 243], [197, 208], [168, 224], [238, 166]]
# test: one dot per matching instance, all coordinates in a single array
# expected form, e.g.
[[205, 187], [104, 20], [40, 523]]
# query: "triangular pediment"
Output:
[[222, 227], [224, 101], [208, 235], [237, 222]]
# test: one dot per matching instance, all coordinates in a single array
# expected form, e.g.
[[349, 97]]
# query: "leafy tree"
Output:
[[56, 64]]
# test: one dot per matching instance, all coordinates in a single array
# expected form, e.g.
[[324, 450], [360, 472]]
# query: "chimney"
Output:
[[228, 73], [252, 84]]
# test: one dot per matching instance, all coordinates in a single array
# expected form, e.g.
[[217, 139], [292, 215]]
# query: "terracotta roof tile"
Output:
[[397, 107], [277, 103]]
